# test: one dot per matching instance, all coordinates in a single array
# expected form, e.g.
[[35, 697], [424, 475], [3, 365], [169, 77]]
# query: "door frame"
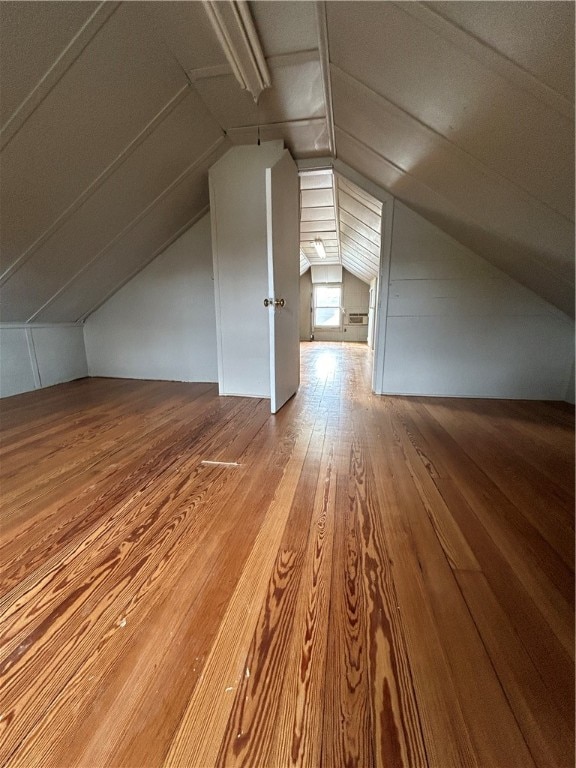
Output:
[[383, 282]]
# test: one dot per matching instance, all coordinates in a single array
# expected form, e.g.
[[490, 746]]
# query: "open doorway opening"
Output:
[[340, 243]]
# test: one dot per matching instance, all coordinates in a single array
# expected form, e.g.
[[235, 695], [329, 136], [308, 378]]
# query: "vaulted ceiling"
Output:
[[112, 113]]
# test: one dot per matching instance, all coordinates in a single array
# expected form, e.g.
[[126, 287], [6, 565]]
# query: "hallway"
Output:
[[356, 581]]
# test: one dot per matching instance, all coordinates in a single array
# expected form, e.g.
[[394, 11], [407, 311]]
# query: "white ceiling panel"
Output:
[[358, 226], [315, 198], [296, 94], [145, 174], [119, 83], [318, 226], [325, 213], [359, 211], [463, 111], [353, 192], [358, 272], [316, 180], [185, 30], [285, 27], [360, 222], [521, 263], [357, 254], [33, 36], [318, 221], [132, 252], [474, 107], [480, 195], [358, 238], [538, 36]]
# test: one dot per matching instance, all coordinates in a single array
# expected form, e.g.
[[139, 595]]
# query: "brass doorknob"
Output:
[[279, 303]]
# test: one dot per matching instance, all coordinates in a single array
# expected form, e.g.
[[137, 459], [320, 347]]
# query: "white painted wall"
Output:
[[37, 356], [161, 324], [305, 305], [457, 326]]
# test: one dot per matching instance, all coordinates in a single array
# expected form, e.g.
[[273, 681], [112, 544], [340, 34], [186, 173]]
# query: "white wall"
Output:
[[37, 356], [457, 326], [161, 324], [305, 306]]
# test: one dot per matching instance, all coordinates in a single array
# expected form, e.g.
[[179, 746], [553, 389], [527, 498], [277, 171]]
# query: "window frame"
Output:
[[316, 306]]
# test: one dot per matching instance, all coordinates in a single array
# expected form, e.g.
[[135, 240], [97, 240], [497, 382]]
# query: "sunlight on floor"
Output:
[[326, 364]]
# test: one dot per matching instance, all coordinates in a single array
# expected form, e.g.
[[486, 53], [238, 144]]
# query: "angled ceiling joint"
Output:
[[236, 33], [325, 69]]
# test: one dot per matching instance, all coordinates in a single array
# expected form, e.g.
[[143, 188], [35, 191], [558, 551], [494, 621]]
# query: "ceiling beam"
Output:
[[325, 69], [236, 33]]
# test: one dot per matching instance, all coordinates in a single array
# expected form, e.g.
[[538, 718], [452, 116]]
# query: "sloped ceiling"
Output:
[[360, 223], [347, 220], [318, 217], [112, 113], [465, 111]]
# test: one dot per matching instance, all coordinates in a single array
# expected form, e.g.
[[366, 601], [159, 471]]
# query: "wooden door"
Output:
[[282, 222]]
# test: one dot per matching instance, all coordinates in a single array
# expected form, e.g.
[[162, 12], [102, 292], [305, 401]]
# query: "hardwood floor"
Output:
[[356, 581]]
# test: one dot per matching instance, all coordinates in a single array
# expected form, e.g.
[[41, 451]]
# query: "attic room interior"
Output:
[[287, 384]]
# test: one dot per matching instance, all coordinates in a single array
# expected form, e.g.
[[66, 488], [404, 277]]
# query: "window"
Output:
[[327, 304]]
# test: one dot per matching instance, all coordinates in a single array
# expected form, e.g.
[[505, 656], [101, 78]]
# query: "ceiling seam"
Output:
[[480, 51], [356, 267], [136, 220], [466, 222], [52, 76], [435, 192], [304, 121], [349, 213], [349, 229], [336, 213], [158, 252], [365, 207], [323, 47], [341, 168], [449, 145], [369, 266], [358, 234], [350, 245], [95, 184]]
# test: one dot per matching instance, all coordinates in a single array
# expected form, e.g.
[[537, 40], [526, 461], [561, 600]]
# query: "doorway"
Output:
[[340, 242]]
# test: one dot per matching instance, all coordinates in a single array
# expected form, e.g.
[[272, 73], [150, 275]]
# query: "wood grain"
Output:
[[364, 580]]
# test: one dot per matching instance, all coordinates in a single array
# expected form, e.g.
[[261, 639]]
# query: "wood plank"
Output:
[[422, 471], [490, 721], [371, 577], [533, 561], [211, 702], [347, 687], [273, 721], [136, 670], [547, 507], [548, 733]]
